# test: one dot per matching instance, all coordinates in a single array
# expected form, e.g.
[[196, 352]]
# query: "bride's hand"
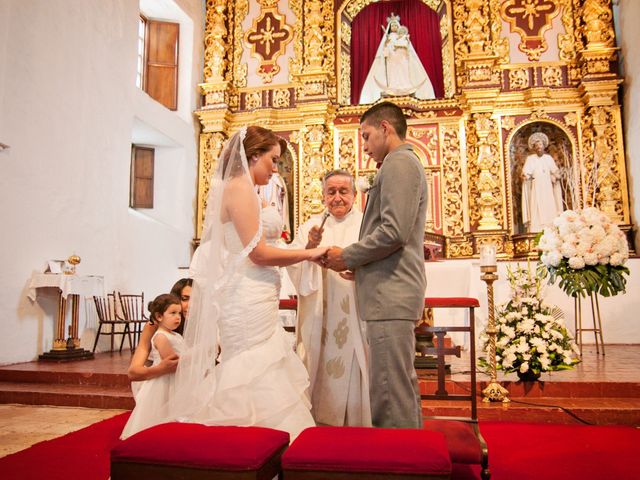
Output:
[[315, 254]]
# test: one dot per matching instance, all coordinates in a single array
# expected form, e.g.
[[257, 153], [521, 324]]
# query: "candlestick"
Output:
[[494, 392], [488, 255]]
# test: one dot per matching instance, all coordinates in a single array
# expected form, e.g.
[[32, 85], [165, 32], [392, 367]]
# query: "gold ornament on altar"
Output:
[[70, 264]]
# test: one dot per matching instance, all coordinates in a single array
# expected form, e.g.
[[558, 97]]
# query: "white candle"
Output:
[[488, 255]]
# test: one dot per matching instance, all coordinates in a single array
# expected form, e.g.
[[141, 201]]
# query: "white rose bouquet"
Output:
[[586, 251], [530, 335]]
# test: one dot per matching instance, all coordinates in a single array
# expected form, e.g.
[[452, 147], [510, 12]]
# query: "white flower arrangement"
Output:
[[530, 335], [364, 183], [587, 251]]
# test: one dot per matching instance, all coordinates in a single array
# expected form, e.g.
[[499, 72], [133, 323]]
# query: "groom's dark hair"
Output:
[[386, 111]]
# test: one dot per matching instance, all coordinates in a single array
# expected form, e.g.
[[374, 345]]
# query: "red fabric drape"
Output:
[[424, 31]]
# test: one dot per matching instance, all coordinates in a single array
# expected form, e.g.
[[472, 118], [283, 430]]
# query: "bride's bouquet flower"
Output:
[[586, 251], [531, 337], [364, 183]]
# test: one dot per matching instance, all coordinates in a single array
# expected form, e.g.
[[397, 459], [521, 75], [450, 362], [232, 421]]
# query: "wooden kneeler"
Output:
[[350, 453], [192, 451]]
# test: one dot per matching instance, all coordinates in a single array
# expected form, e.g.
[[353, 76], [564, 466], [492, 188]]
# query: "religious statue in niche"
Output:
[[544, 180], [541, 193], [396, 69]]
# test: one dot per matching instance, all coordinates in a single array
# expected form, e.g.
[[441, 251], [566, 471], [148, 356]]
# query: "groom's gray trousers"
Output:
[[393, 388]]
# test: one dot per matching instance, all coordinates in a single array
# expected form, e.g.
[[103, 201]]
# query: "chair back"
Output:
[[466, 444], [132, 306], [106, 308]]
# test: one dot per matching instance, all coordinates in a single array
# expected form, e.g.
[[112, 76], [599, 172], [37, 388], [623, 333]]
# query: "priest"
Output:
[[330, 339]]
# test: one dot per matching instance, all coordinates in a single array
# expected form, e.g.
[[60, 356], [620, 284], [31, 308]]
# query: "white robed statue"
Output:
[[396, 69], [541, 189]]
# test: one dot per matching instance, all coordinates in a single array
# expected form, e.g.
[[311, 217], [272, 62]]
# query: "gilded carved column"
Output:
[[599, 54], [316, 75], [486, 195], [316, 157], [217, 54], [604, 170], [476, 57], [210, 148]]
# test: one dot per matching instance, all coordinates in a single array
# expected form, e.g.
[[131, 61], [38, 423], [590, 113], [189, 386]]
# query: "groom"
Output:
[[388, 262]]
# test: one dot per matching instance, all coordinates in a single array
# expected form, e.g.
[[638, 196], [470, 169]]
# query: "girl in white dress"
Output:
[[152, 395], [259, 380]]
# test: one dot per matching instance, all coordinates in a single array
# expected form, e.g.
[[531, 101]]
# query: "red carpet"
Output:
[[517, 451], [83, 454], [526, 451]]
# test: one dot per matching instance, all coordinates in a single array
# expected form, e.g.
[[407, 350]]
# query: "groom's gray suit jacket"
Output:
[[389, 257]]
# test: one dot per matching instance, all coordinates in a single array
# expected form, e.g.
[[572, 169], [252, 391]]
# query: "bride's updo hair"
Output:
[[160, 304], [259, 140]]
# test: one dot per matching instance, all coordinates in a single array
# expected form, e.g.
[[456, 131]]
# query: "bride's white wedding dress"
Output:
[[259, 380]]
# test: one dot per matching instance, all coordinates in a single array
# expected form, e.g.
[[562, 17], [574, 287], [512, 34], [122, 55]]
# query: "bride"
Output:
[[238, 367]]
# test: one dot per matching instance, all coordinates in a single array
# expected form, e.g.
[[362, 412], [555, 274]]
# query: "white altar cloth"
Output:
[[82, 285]]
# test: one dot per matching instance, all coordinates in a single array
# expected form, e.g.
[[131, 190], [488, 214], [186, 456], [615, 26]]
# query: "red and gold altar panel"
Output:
[[502, 70]]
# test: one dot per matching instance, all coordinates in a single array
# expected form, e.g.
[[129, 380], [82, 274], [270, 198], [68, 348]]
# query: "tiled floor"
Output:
[[24, 425]]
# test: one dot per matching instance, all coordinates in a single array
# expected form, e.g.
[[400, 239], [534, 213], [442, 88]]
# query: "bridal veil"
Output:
[[230, 185]]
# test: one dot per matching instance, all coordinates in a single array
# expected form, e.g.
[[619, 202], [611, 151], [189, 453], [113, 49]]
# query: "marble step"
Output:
[[89, 396]]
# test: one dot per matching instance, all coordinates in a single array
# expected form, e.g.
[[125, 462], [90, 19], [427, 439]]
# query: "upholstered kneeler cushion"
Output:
[[368, 450], [463, 445], [451, 302], [196, 447]]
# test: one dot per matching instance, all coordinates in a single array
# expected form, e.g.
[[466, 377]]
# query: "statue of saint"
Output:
[[396, 69], [541, 190]]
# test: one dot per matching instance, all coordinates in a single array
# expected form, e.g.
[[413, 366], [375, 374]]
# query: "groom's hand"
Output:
[[348, 275], [333, 259]]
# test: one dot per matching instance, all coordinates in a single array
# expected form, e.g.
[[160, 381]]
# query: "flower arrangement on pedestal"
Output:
[[530, 335], [586, 251]]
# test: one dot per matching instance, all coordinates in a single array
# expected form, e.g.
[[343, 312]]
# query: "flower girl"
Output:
[[152, 395]]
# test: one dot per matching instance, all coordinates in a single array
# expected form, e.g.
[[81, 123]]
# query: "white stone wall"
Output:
[[69, 109]]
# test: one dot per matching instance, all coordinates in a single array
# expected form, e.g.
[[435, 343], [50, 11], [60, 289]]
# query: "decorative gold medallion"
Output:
[[530, 18], [268, 38]]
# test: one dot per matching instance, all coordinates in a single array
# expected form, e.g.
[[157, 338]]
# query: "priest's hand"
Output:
[[333, 260], [315, 236]]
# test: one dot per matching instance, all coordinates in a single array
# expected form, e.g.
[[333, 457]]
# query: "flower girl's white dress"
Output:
[[259, 380], [152, 395]]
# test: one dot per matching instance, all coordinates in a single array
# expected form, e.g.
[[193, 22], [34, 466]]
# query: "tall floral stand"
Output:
[[596, 322]]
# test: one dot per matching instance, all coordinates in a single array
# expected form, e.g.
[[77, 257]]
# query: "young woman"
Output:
[[258, 379]]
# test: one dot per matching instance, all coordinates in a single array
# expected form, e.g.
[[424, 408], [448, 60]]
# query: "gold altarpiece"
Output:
[[510, 67]]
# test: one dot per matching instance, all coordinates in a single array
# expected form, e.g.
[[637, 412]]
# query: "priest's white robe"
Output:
[[541, 192], [330, 337]]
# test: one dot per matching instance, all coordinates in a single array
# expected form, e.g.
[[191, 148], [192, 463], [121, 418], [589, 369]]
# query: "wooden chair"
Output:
[[133, 306], [107, 317], [465, 442]]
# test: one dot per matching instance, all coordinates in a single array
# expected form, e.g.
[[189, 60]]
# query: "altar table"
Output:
[[73, 286]]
